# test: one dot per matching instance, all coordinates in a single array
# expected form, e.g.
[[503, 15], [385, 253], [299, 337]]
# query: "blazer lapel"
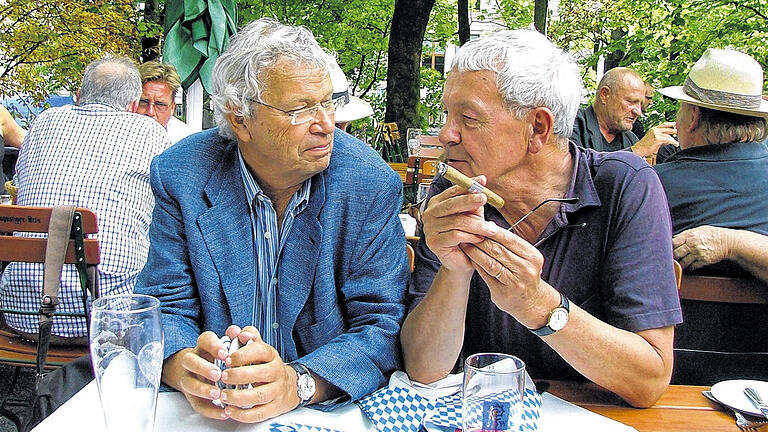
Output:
[[226, 229], [299, 259]]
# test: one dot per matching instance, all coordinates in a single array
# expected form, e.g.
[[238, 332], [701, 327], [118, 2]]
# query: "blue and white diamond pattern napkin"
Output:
[[296, 427], [447, 413], [396, 409]]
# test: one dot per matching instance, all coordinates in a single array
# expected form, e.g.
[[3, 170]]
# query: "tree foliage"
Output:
[[46, 44], [661, 39], [357, 30]]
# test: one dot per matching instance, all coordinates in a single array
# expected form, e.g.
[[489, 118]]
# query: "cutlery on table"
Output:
[[754, 397], [742, 422]]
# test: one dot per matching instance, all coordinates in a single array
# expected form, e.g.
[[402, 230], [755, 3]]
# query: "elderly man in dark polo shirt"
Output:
[[582, 289], [717, 185], [607, 124]]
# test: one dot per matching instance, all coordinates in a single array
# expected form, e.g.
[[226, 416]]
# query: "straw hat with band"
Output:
[[724, 80], [354, 107]]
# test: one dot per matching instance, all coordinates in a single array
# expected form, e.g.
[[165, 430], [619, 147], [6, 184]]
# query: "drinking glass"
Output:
[[127, 356], [492, 398], [414, 141]]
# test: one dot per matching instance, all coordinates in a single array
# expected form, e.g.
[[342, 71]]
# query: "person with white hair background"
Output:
[[354, 108]]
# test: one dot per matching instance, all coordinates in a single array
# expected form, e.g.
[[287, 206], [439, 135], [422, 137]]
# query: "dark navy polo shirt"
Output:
[[724, 185], [618, 267]]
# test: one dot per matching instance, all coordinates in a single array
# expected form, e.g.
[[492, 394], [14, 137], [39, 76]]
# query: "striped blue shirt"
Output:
[[268, 241]]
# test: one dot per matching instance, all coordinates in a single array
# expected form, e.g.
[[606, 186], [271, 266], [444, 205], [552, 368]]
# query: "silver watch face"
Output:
[[558, 319], [306, 387]]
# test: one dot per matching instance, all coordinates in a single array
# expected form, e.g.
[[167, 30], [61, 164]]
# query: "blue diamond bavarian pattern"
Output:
[[448, 414], [396, 409]]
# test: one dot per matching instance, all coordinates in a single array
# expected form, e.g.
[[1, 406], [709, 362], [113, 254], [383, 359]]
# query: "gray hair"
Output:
[[531, 72], [238, 74], [721, 127], [112, 81]]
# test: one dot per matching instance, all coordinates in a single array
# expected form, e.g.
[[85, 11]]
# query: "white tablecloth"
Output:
[[83, 412]]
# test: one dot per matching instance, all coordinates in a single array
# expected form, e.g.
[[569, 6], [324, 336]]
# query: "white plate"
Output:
[[731, 393]]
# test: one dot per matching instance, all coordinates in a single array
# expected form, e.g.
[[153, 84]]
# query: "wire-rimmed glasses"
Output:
[[305, 115], [571, 200], [160, 107]]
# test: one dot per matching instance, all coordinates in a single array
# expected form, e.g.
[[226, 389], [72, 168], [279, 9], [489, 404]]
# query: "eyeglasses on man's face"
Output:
[[160, 107], [304, 115]]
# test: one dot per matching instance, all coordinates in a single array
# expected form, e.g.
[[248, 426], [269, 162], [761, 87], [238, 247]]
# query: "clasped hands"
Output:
[[458, 234], [273, 391]]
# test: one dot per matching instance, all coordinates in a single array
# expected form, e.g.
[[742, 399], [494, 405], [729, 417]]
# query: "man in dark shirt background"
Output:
[[607, 124]]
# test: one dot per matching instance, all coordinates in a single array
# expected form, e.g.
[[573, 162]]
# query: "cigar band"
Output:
[[475, 187]]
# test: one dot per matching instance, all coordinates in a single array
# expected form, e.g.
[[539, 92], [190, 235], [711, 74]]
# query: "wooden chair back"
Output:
[[725, 330], [421, 169], [411, 256], [17, 350]]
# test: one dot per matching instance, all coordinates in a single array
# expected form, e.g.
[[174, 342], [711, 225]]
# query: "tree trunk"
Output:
[[150, 47], [463, 8], [613, 59], [540, 15], [409, 22]]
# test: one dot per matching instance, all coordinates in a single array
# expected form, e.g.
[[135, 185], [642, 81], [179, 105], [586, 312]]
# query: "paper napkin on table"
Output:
[[396, 409], [448, 415], [405, 405], [297, 427]]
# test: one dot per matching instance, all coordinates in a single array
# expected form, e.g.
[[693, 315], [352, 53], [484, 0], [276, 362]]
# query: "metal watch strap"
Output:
[[301, 370], [546, 330]]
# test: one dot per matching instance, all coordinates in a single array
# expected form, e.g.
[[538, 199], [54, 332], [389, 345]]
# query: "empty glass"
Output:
[[492, 398], [414, 141], [127, 356]]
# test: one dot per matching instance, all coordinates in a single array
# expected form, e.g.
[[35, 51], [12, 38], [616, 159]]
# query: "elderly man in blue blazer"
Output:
[[280, 232]]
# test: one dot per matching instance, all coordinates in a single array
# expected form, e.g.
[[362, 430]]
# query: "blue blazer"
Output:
[[342, 272]]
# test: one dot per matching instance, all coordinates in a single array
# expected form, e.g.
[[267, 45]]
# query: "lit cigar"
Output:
[[455, 177]]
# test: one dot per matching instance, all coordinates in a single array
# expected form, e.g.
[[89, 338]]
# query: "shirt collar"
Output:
[[722, 152], [253, 190], [581, 186]]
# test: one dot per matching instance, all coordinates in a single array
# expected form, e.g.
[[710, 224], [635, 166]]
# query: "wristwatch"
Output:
[[305, 384], [558, 318]]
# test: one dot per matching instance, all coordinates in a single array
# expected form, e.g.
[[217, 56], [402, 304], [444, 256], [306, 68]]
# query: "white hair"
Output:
[[530, 72], [237, 77], [112, 81]]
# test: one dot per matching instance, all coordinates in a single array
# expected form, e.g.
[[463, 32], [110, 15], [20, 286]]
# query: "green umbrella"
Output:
[[196, 32]]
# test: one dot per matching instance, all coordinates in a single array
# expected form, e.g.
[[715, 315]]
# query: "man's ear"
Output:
[[237, 123], [133, 107], [603, 93], [695, 117], [542, 127], [77, 97]]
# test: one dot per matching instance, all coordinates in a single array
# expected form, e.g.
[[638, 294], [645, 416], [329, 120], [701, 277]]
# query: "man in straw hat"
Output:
[[717, 185]]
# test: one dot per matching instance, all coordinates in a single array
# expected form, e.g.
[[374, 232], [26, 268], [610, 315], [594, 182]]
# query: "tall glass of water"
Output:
[[492, 398], [127, 356]]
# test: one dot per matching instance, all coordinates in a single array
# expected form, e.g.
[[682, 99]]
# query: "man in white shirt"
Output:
[[160, 82], [94, 155]]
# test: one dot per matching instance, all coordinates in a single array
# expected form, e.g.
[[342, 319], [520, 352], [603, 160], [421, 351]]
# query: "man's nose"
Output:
[[324, 120], [449, 134]]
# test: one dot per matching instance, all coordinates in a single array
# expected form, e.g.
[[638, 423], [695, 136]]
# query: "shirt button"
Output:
[[274, 281], [275, 325], [267, 235], [261, 198]]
